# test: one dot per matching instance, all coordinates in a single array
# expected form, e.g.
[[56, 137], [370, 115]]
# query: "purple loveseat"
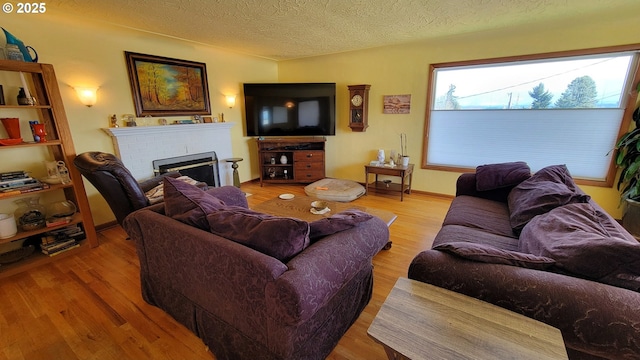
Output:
[[567, 263], [245, 304]]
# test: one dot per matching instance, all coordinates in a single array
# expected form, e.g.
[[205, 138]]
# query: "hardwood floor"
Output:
[[89, 306]]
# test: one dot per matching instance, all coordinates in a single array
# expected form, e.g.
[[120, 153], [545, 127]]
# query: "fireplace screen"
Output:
[[202, 167]]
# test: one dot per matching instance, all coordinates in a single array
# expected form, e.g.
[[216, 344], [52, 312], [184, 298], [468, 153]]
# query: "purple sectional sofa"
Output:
[[538, 246], [294, 303]]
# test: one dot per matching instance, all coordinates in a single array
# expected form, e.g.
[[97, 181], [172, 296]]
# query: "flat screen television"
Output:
[[290, 109]]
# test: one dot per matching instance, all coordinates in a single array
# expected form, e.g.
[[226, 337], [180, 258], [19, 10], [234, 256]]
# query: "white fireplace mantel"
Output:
[[173, 129], [138, 146]]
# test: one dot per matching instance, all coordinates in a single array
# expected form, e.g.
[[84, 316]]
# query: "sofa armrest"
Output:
[[203, 267], [594, 318], [321, 270]]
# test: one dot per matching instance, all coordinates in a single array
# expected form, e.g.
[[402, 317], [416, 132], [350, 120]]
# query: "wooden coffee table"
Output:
[[422, 321], [299, 207]]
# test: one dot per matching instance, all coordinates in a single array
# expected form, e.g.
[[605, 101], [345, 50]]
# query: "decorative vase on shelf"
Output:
[[61, 211], [12, 125], [30, 215], [7, 226], [405, 161], [23, 99], [283, 160], [39, 133]]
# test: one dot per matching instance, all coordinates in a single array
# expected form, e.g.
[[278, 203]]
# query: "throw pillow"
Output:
[[279, 237], [585, 242], [545, 190], [497, 176], [339, 222], [558, 174], [492, 255], [188, 203]]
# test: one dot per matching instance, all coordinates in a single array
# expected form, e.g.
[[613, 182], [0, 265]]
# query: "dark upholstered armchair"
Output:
[[116, 184]]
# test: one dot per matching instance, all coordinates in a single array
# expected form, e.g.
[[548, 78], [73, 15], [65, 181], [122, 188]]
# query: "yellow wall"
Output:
[[403, 69], [93, 54], [85, 53]]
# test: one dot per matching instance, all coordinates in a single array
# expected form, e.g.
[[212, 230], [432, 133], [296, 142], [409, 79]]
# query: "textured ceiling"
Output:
[[287, 29]]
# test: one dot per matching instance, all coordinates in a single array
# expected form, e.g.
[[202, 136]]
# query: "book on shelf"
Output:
[[60, 240], [9, 175], [53, 222], [61, 250], [56, 245], [37, 186], [17, 182], [74, 232]]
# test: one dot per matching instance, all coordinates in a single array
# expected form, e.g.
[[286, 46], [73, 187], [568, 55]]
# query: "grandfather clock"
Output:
[[358, 107]]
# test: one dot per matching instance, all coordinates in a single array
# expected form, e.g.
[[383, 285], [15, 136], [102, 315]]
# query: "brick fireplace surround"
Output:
[[137, 147]]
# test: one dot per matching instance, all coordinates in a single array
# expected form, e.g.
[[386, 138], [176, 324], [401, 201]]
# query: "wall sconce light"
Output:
[[87, 96], [231, 101]]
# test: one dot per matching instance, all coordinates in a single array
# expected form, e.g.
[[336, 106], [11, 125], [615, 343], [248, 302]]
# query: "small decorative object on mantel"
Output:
[[182, 122], [129, 120], [397, 104], [113, 121]]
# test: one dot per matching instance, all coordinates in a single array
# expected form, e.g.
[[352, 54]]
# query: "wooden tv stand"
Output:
[[304, 164]]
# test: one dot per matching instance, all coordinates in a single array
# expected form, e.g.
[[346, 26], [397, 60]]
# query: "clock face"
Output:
[[356, 100]]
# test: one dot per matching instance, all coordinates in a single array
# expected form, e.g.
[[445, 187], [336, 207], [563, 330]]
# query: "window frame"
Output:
[[628, 101]]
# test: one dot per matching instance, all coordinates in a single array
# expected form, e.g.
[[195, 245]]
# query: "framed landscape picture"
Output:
[[163, 86], [397, 104]]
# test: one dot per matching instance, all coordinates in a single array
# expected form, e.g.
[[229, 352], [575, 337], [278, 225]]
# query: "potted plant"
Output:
[[628, 160]]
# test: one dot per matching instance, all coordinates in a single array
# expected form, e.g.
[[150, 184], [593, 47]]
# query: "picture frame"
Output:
[[163, 86], [397, 104]]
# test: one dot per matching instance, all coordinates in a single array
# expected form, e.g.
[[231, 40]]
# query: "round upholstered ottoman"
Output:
[[335, 190]]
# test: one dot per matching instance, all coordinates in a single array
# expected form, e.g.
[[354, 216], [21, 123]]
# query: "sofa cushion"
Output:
[[341, 221], [278, 237], [493, 255], [545, 190], [585, 242], [460, 233], [478, 213], [496, 176], [188, 203]]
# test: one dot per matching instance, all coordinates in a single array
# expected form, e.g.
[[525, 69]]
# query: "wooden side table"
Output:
[[422, 321], [404, 172]]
